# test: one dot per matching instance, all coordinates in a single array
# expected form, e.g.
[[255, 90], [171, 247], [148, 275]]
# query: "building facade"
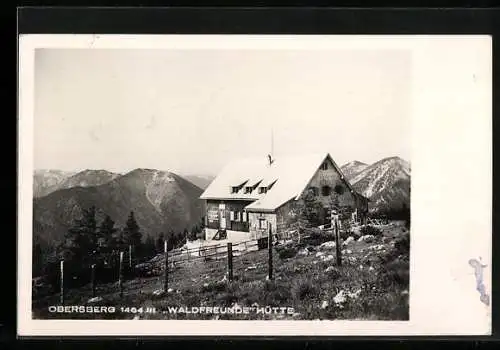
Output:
[[250, 196]]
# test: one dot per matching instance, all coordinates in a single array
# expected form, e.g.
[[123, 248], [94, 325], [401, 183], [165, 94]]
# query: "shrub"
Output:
[[317, 237], [395, 273], [304, 288], [214, 287], [287, 253], [274, 293], [344, 234], [402, 244], [371, 230]]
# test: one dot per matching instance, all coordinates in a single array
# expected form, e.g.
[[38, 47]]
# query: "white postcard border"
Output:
[[451, 123]]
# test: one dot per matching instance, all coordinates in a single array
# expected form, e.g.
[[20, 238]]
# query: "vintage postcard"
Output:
[[300, 185]]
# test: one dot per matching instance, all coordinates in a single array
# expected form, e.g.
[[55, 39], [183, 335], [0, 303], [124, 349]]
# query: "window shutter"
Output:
[[244, 217], [231, 215]]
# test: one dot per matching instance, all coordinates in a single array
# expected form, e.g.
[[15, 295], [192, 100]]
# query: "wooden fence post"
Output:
[[120, 275], [62, 282], [337, 243], [92, 280], [230, 261], [165, 282], [270, 250]]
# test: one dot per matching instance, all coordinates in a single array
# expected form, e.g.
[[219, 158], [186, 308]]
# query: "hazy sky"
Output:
[[191, 111]]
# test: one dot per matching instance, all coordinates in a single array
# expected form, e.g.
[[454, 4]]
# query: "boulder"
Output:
[[327, 258], [158, 292], [94, 300], [303, 252], [328, 245], [367, 238], [340, 298], [348, 240], [354, 295]]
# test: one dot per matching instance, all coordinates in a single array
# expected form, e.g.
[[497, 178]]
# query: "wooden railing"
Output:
[[240, 226]]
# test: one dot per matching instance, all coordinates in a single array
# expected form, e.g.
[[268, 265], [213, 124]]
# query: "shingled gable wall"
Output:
[[286, 214], [331, 177]]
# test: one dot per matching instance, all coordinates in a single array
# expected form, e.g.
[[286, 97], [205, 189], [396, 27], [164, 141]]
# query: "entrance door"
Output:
[[222, 216]]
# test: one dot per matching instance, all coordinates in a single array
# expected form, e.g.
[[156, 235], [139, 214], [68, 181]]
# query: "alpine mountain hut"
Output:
[[250, 194]]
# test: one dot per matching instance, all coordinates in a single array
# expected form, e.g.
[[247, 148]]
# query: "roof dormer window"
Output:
[[256, 184], [262, 190], [271, 185], [248, 189], [236, 189]]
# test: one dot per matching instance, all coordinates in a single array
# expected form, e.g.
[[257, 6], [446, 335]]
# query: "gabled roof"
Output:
[[291, 175]]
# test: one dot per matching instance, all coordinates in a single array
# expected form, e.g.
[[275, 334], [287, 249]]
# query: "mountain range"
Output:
[[162, 202], [386, 182], [199, 180]]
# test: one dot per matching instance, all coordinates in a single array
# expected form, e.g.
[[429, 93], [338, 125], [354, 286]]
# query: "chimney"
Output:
[[270, 158]]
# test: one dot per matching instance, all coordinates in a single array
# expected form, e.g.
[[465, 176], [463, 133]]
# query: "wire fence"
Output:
[[226, 252]]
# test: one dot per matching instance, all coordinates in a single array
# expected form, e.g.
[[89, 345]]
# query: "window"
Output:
[[324, 166], [262, 189], [234, 189], [248, 189], [236, 216], [262, 223], [339, 189], [313, 190], [325, 190]]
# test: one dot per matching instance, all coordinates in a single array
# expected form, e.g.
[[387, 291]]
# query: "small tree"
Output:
[[132, 233], [170, 239], [193, 235], [160, 242], [149, 246], [79, 248], [119, 241], [80, 242], [106, 234], [309, 212]]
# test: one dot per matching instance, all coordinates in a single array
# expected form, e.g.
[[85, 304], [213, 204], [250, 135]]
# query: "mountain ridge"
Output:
[[386, 183], [162, 202]]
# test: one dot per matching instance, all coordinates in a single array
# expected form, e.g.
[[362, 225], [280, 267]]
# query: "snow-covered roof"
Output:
[[290, 175]]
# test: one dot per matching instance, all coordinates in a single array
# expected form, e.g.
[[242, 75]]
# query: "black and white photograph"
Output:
[[225, 183]]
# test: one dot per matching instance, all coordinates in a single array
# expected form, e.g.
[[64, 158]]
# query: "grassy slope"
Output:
[[300, 282]]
